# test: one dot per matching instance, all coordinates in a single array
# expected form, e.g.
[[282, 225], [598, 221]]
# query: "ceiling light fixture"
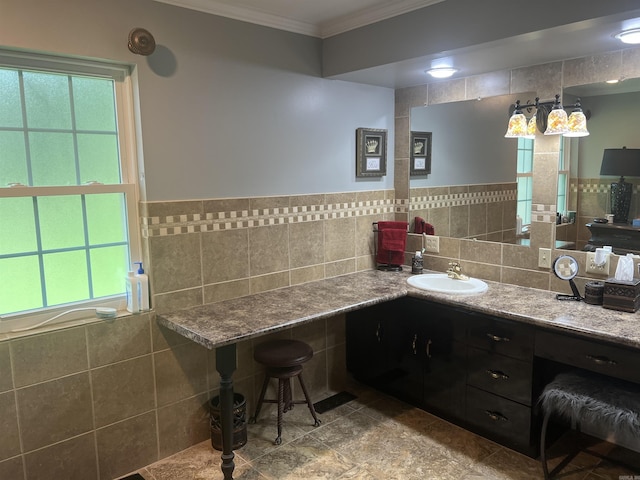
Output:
[[631, 36], [441, 72]]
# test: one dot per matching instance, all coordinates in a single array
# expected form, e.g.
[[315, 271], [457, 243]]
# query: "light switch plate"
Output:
[[431, 243], [544, 257], [598, 269]]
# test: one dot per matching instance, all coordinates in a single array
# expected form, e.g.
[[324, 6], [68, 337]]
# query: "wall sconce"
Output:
[[551, 122], [621, 161]]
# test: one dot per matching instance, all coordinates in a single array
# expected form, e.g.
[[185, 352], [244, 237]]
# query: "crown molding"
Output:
[[327, 29]]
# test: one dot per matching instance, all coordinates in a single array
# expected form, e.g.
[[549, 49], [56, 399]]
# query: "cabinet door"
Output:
[[440, 331], [367, 350]]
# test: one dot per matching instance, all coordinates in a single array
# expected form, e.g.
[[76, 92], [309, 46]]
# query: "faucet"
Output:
[[455, 272]]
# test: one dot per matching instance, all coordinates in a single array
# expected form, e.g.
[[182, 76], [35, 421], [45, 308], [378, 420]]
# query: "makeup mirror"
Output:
[[566, 268]]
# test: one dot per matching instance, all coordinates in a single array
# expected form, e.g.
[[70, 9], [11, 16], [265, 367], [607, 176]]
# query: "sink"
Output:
[[441, 283]]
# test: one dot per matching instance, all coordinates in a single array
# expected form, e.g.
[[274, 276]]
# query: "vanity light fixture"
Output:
[[441, 72], [631, 36], [554, 122]]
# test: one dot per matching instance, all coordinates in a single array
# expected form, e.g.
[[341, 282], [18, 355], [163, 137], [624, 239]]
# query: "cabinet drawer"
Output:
[[498, 418], [597, 357], [498, 374], [501, 336]]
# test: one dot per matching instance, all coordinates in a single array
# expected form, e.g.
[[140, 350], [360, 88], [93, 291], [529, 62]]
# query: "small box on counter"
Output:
[[621, 294], [635, 222]]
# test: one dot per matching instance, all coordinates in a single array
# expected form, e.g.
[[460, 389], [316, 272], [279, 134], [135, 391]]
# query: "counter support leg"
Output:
[[226, 364]]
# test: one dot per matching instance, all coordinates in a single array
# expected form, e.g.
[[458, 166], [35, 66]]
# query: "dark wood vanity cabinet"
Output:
[[500, 380], [472, 369], [411, 349]]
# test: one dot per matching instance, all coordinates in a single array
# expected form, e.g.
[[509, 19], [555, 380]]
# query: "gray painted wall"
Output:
[[227, 108], [468, 142], [613, 124]]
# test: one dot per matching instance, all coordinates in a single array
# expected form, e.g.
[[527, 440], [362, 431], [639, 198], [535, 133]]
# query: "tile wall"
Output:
[[98, 401]]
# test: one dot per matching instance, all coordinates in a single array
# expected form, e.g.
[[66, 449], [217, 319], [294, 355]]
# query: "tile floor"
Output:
[[373, 437]]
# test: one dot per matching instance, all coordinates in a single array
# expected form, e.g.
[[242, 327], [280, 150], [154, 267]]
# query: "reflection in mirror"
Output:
[[612, 124], [471, 191]]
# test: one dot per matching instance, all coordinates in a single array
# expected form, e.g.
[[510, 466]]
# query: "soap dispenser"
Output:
[[143, 288], [133, 293]]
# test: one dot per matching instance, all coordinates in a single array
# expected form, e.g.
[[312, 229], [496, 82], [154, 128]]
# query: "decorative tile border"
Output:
[[218, 221], [461, 199], [543, 213]]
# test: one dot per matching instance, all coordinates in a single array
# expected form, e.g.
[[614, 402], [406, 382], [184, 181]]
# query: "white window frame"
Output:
[[127, 113]]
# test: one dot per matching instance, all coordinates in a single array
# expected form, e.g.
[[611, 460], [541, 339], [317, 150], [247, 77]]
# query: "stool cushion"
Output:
[[282, 353], [606, 403]]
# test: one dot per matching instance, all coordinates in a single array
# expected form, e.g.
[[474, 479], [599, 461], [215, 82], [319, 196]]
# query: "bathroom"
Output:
[[212, 152]]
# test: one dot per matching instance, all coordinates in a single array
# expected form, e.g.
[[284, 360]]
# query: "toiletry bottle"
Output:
[[416, 263], [518, 225], [143, 288], [132, 283]]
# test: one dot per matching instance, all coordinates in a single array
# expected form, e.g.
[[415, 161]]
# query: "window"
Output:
[[68, 193], [524, 178]]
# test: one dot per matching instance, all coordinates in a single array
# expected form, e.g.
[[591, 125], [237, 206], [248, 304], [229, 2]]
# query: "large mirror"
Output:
[[471, 191], [613, 123]]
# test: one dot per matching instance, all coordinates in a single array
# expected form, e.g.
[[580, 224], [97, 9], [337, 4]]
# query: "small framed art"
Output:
[[371, 152], [420, 153]]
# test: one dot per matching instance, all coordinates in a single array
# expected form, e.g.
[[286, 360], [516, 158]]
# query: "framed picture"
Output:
[[420, 153], [371, 152]]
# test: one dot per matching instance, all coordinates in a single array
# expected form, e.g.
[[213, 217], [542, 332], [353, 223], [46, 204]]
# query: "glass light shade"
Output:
[[557, 122], [517, 126], [531, 128], [441, 72], [577, 125], [631, 36]]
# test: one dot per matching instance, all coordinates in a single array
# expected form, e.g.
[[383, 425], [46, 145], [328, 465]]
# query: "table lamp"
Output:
[[623, 162]]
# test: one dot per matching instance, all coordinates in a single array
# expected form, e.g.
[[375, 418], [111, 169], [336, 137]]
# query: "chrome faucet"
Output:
[[455, 272]]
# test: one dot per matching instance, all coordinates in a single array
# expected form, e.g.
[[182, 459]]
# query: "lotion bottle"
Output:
[[143, 288], [132, 283]]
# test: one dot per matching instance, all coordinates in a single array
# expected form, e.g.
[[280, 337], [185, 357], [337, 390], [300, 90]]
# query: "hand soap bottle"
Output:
[[143, 288], [133, 293]]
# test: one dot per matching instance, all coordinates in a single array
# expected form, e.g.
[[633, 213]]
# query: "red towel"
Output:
[[420, 227], [392, 238]]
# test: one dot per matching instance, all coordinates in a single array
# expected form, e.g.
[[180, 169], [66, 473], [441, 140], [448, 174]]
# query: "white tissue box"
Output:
[[621, 294]]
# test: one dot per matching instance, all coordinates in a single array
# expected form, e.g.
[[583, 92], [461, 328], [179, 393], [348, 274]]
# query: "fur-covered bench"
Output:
[[584, 399]]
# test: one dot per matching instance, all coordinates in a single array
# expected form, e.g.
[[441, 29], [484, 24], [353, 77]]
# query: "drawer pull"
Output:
[[496, 416], [413, 344], [496, 338], [378, 332], [497, 375], [601, 360], [429, 348]]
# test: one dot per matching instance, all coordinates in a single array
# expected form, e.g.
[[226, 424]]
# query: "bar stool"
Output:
[[582, 398], [283, 360]]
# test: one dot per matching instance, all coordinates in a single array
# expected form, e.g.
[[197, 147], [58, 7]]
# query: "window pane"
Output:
[[106, 218], [13, 159], [109, 268], [61, 222], [18, 232], [18, 290], [52, 159], [93, 99], [10, 105], [47, 100], [98, 156], [66, 277]]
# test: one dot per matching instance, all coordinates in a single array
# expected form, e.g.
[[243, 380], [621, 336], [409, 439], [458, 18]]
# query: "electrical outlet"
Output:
[[544, 257], [431, 243], [598, 269]]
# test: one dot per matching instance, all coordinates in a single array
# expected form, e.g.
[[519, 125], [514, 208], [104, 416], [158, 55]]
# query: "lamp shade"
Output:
[[557, 122], [577, 125], [517, 125], [621, 162]]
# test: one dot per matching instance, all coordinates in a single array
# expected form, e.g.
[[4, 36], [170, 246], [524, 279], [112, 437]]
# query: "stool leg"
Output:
[[265, 384], [281, 383], [306, 396], [288, 399], [543, 454]]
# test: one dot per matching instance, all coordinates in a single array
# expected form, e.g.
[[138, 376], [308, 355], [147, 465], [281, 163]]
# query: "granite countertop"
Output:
[[222, 323]]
